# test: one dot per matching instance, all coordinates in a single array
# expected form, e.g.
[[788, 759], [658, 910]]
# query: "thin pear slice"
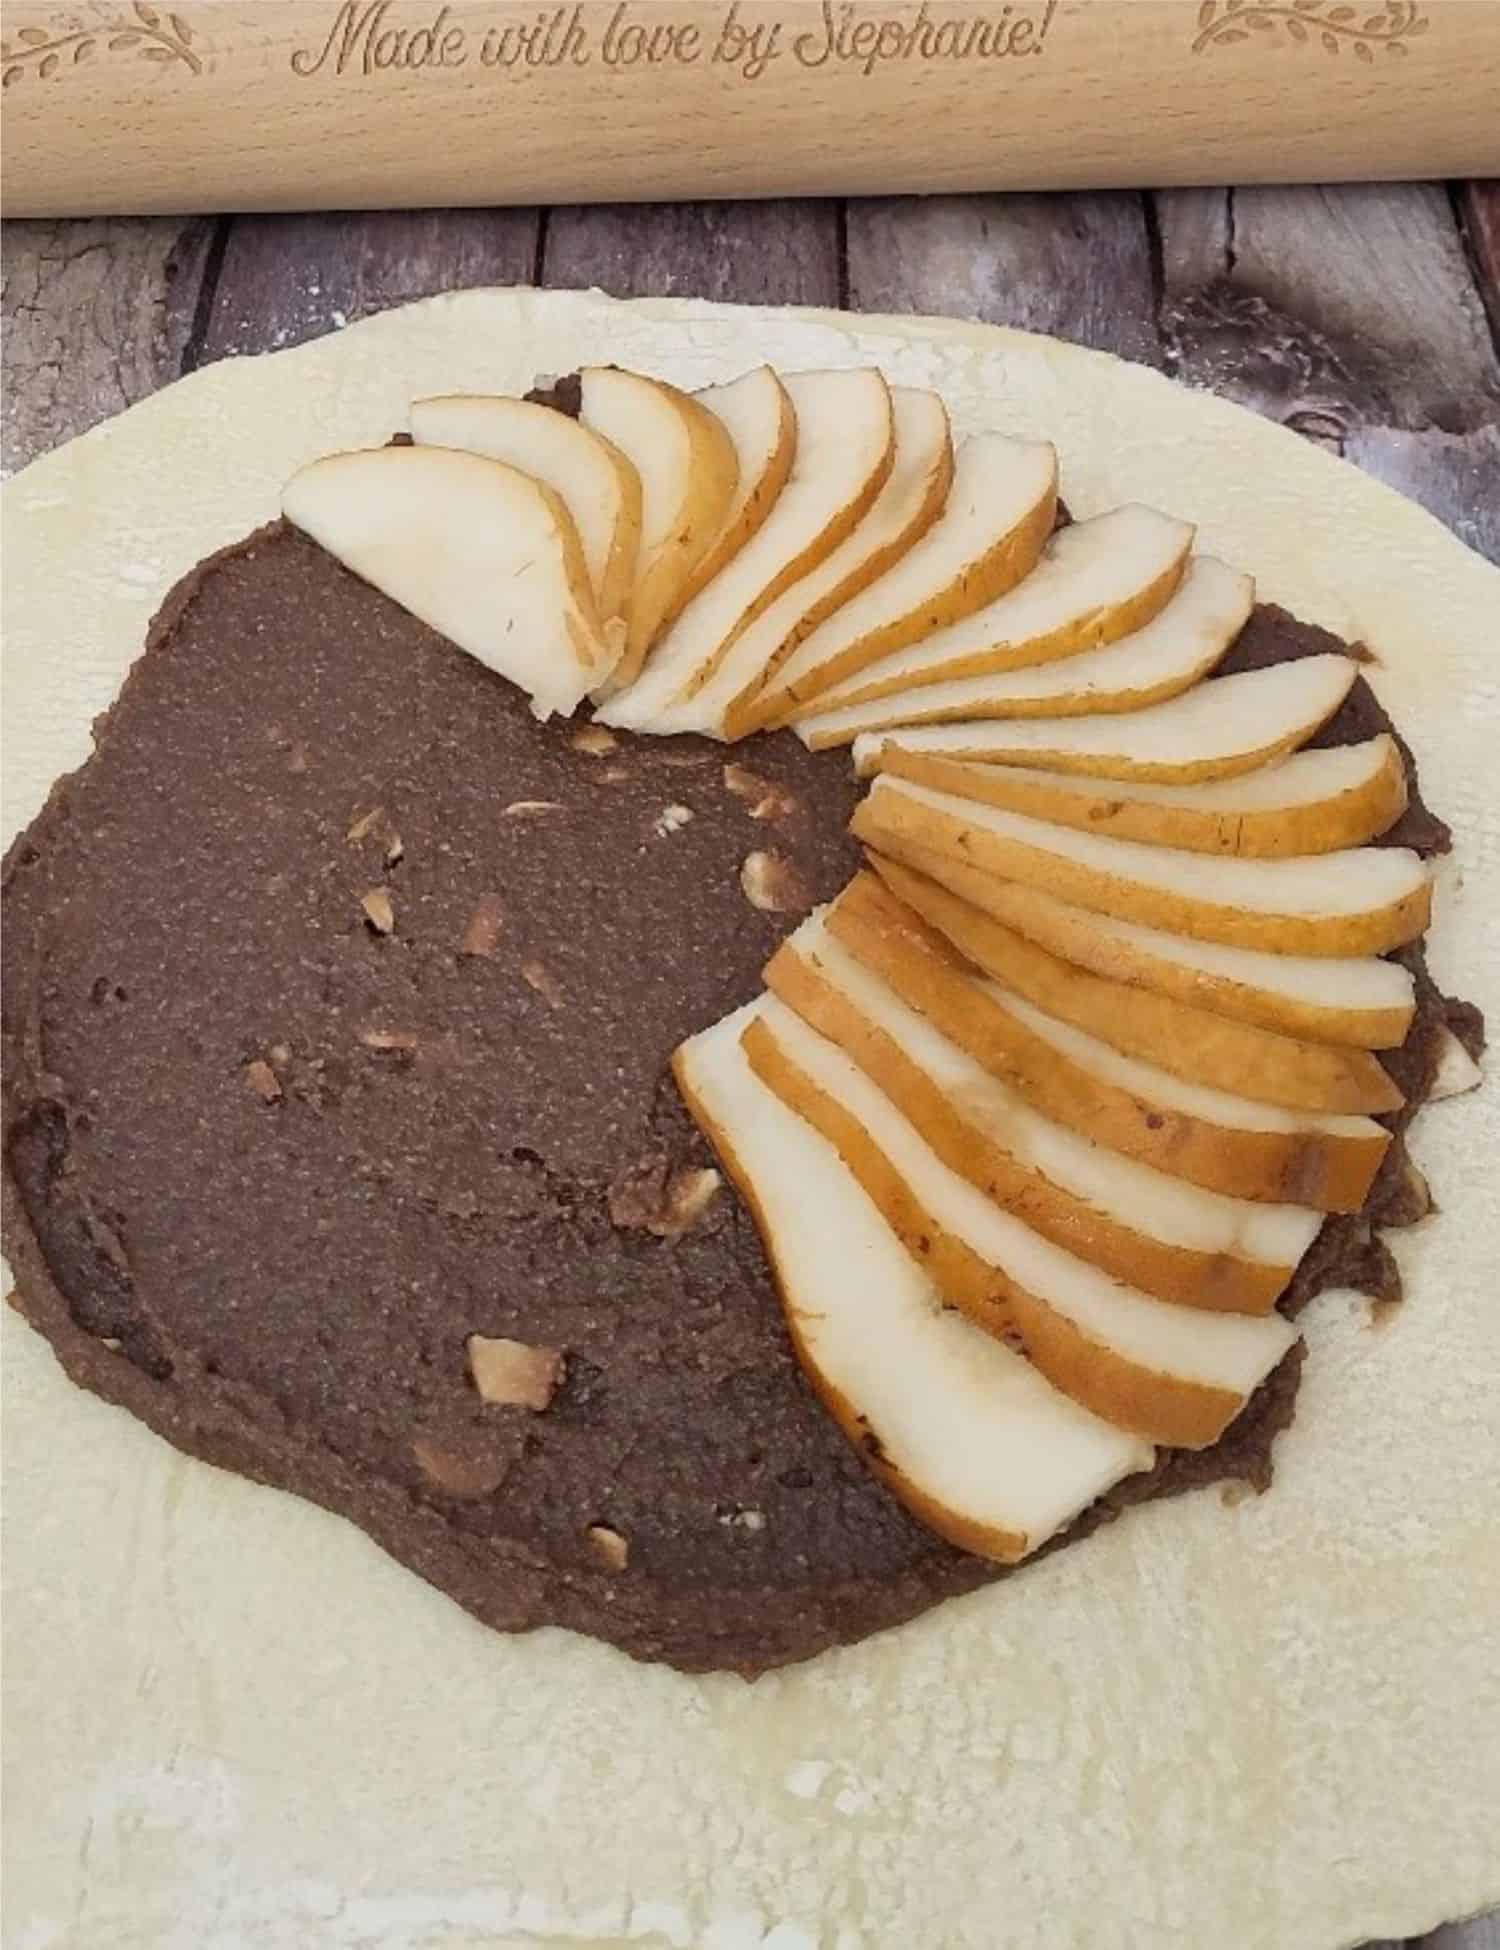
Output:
[[999, 513], [905, 508], [1189, 1042], [1217, 730], [1169, 1238], [688, 472], [1162, 1372], [599, 485], [1179, 645], [964, 1431], [845, 449], [1363, 901], [482, 553], [1225, 1143], [1363, 1003], [758, 415], [1095, 582], [1313, 802]]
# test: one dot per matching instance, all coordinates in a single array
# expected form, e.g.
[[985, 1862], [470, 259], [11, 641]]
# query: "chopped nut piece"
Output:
[[771, 883], [482, 935], [365, 825], [280, 1054], [608, 1546], [743, 1519], [1236, 1492], [388, 1039], [614, 775], [378, 910], [765, 800], [650, 1198], [476, 1473], [1410, 1201], [297, 761], [394, 850], [541, 978], [263, 1080], [513, 1374], [529, 808], [671, 819], [594, 740]]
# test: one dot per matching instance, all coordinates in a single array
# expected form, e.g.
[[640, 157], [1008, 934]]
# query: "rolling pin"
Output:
[[131, 106]]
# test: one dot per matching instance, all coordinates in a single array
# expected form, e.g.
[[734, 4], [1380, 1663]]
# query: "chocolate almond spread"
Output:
[[338, 1003]]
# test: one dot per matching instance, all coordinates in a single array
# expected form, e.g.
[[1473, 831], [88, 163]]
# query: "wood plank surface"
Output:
[[775, 253], [1356, 316], [288, 278], [1075, 265], [97, 314]]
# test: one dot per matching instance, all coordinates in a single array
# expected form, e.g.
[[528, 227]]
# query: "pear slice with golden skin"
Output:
[[1216, 730], [482, 553], [757, 413], [1095, 582], [845, 450], [1167, 1237], [599, 485], [1361, 901], [1359, 1002], [1223, 1142], [1313, 802], [905, 508], [688, 472], [998, 515], [1168, 1374], [1189, 1042], [961, 1429], [1181, 644]]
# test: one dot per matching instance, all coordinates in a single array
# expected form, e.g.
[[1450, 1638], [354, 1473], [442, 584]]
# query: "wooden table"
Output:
[[1367, 318]]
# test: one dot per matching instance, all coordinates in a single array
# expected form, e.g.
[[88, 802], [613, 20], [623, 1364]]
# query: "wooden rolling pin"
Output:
[[178, 105]]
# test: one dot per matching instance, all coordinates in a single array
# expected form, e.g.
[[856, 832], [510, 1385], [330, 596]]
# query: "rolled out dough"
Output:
[[234, 1725]]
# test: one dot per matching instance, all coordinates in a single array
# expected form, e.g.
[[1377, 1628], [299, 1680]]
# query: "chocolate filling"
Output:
[[338, 1002]]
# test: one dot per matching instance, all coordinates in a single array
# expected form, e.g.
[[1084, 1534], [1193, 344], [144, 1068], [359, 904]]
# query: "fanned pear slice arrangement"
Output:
[[1179, 645], [599, 487], [689, 471], [845, 451], [1042, 1118], [905, 508], [486, 555], [1153, 1231], [1095, 582], [962, 1429], [1362, 901], [999, 512]]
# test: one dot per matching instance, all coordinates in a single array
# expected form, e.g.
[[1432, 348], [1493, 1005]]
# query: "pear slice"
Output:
[[482, 553], [1362, 901], [1169, 1238], [964, 1431], [1166, 1373], [1179, 645], [1225, 1143], [1190, 1042], [599, 485], [845, 449], [905, 508], [998, 516], [1218, 730], [1313, 802], [1363, 1003], [688, 472], [1095, 582], [757, 413]]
